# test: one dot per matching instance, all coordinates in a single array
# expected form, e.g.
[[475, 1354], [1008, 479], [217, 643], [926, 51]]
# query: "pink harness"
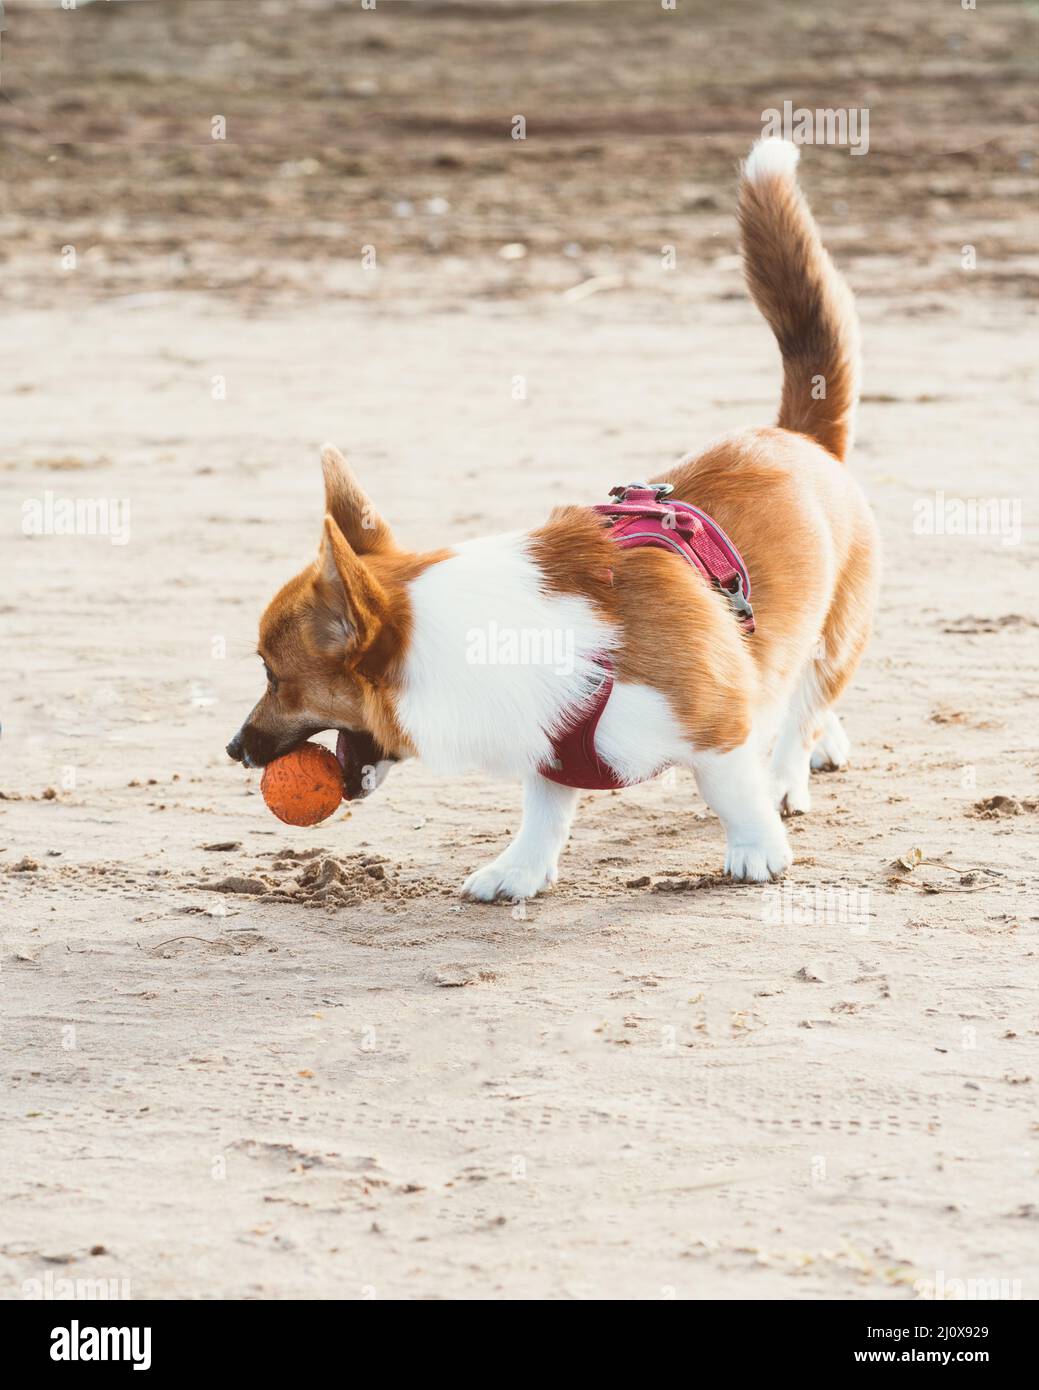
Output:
[[639, 517]]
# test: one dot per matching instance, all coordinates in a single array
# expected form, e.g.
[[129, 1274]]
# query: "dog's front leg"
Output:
[[531, 862], [735, 786]]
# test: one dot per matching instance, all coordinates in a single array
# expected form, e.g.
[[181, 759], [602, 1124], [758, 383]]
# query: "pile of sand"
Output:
[[316, 878]]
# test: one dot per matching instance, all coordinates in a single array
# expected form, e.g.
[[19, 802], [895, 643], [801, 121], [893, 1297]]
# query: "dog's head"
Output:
[[330, 642]]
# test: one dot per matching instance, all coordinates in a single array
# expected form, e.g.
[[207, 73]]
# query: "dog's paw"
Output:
[[833, 747], [795, 802], [792, 797], [509, 878], [759, 862]]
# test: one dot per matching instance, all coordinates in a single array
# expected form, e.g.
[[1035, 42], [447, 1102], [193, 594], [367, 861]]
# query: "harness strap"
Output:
[[640, 517], [575, 762]]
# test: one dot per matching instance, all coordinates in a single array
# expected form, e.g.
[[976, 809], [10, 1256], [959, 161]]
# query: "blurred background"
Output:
[[392, 127]]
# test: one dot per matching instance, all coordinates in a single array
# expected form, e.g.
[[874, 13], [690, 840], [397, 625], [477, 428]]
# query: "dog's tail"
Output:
[[806, 302]]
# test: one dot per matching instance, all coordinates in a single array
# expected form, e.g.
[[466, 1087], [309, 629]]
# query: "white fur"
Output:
[[790, 767], [531, 861], [638, 733], [834, 747], [736, 787], [796, 753], [769, 157], [495, 716]]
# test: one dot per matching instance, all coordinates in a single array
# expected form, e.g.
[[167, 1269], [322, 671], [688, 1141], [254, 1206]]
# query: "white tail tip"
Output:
[[769, 158]]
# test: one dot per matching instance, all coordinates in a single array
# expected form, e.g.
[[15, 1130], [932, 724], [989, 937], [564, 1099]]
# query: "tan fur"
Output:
[[808, 307], [809, 542], [336, 635], [346, 501]]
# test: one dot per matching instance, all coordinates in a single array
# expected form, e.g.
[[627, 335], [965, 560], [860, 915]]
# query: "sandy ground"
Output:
[[649, 1083]]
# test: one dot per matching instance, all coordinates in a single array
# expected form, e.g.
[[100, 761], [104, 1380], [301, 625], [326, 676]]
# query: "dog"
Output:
[[423, 655]]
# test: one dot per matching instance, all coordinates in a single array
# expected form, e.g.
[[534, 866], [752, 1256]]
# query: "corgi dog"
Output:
[[432, 654]]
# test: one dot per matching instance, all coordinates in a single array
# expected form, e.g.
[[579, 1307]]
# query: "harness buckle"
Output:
[[740, 603], [658, 490]]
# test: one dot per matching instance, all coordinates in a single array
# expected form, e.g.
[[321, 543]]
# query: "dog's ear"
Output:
[[347, 502], [354, 605]]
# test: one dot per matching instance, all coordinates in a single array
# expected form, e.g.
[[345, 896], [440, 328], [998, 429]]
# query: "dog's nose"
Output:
[[234, 748]]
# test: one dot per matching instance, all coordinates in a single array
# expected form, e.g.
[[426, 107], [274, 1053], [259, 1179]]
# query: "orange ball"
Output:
[[303, 787]]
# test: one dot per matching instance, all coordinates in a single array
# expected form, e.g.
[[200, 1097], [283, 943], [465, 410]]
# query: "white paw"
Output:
[[795, 801], [790, 794], [508, 877], [760, 860], [834, 746]]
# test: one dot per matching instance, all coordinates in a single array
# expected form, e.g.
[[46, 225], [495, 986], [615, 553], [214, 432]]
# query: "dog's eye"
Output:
[[272, 679]]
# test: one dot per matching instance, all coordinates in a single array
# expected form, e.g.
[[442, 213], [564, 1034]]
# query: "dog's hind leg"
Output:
[[832, 747], [531, 862], [792, 752], [811, 737]]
